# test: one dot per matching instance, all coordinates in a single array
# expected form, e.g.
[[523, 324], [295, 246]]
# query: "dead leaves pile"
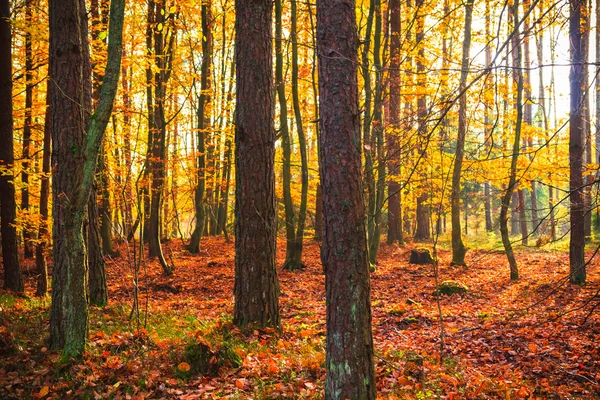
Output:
[[502, 339]]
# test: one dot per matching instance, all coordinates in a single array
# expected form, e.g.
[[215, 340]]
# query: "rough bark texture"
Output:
[[256, 284], [13, 278], [349, 360], [75, 153], [71, 101], [577, 240]]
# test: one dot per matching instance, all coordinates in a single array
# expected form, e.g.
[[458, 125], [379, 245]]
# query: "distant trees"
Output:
[[13, 278], [256, 284], [349, 362]]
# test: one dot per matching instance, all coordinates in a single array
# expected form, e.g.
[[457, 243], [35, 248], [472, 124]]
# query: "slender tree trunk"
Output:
[[286, 146], [423, 231], [377, 141], [576, 143], [97, 287], [458, 248], [203, 126], [393, 146], [163, 51], [512, 183], [489, 225], [296, 261], [41, 266], [597, 115], [13, 277], [27, 233], [256, 286], [587, 128], [319, 195]]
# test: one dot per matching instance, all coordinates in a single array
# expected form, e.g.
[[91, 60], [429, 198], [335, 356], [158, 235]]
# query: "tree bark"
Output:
[[27, 233], [203, 126], [393, 147], [295, 262], [40, 250], [13, 277], [74, 160], [256, 285], [512, 183], [423, 231], [458, 248], [286, 146], [349, 360], [576, 78]]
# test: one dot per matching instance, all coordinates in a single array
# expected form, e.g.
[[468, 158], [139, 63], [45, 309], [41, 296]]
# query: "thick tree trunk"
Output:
[[349, 361], [13, 278], [75, 152], [576, 142], [458, 248], [256, 284]]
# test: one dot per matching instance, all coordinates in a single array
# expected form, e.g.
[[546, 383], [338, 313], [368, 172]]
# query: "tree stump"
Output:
[[420, 256]]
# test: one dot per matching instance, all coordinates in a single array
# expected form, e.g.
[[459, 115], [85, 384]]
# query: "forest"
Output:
[[338, 199]]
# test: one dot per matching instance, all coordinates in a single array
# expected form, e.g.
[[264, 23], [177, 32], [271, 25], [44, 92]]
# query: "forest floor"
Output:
[[534, 338]]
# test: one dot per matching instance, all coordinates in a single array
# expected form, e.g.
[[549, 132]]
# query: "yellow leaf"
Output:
[[183, 366], [173, 9], [159, 27], [44, 392]]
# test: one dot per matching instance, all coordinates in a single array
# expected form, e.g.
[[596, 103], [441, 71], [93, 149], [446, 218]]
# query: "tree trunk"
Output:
[[256, 284], [349, 348], [40, 250], [13, 277], [295, 262], [377, 141], [97, 288], [27, 233], [423, 231], [286, 146], [597, 115], [512, 183], [458, 248], [203, 126], [74, 159], [393, 147], [576, 142]]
